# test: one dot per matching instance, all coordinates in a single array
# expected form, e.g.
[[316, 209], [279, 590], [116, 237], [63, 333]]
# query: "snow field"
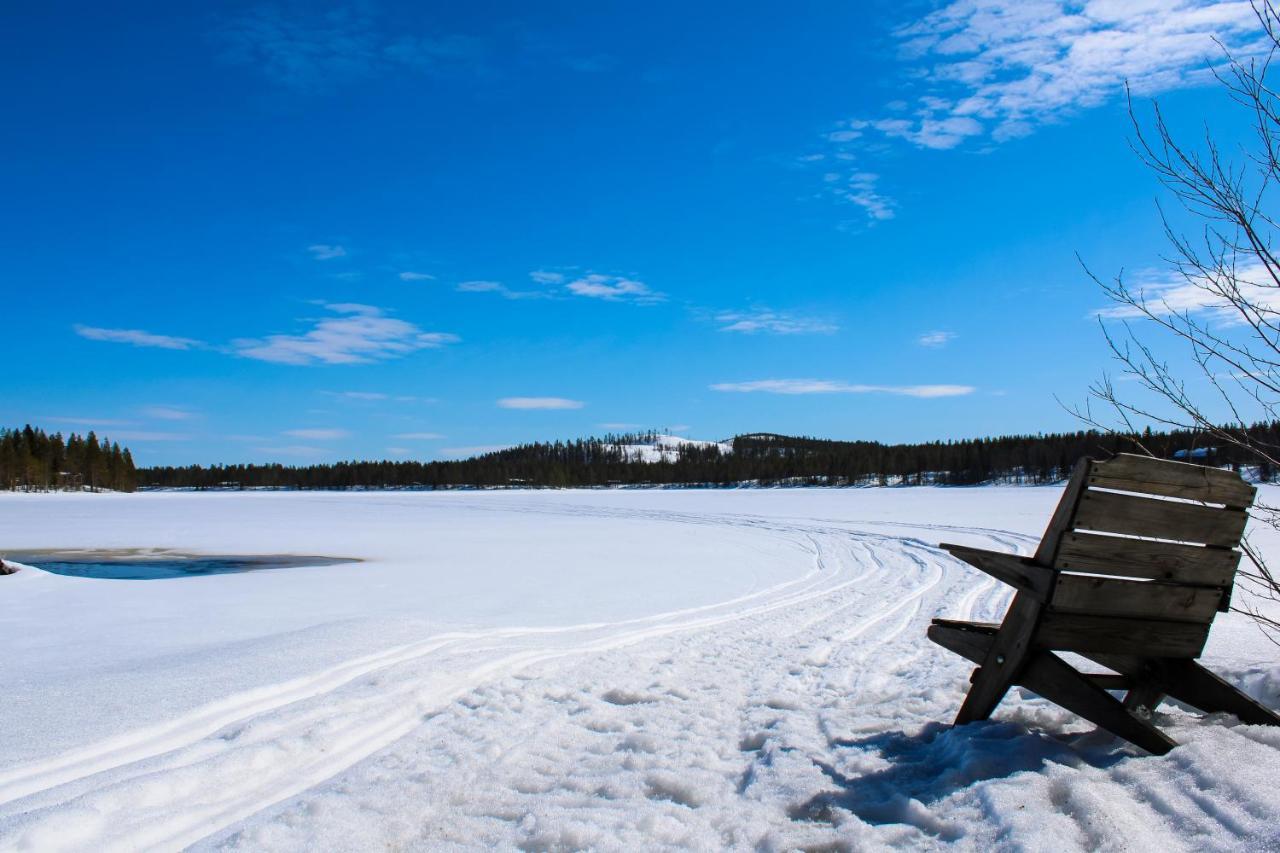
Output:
[[803, 709]]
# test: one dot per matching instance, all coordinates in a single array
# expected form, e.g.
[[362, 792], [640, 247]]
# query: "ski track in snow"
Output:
[[803, 715]]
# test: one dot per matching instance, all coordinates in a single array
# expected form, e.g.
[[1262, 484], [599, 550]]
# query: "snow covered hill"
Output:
[[666, 448], [549, 670]]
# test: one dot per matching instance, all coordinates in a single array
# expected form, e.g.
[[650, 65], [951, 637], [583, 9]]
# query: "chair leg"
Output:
[[1051, 677], [1143, 699], [1004, 660], [1188, 681], [1054, 679]]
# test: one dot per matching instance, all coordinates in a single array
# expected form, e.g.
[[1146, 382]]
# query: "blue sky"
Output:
[[308, 232]]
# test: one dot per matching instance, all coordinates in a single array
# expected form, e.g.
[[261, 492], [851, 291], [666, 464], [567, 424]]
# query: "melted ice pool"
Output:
[[136, 565]]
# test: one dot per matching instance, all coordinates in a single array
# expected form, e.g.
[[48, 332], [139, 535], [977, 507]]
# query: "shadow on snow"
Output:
[[940, 760]]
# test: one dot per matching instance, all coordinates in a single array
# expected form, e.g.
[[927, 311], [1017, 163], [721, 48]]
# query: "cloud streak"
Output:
[[773, 323], [168, 413], [500, 289], [293, 450], [612, 288], [137, 338], [935, 340], [360, 335], [827, 386], [1166, 293], [326, 252], [539, 403], [317, 434]]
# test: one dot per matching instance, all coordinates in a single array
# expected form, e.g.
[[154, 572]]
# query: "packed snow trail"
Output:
[[805, 713]]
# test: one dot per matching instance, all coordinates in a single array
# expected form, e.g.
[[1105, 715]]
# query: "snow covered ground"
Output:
[[570, 669]]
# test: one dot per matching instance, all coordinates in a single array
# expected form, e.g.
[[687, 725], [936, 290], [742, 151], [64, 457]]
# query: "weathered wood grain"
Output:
[[1132, 473], [1138, 516], [1075, 632], [1140, 599], [1141, 558]]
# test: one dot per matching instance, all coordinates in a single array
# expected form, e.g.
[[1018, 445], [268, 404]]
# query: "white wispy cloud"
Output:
[[409, 275], [137, 338], [500, 289], [539, 403], [612, 288], [418, 436], [985, 71], [935, 340], [362, 334], [319, 434], [861, 188], [366, 396], [556, 285], [1001, 67], [617, 425], [1168, 292], [326, 251], [481, 287], [377, 397], [773, 323], [292, 450], [827, 386], [168, 413]]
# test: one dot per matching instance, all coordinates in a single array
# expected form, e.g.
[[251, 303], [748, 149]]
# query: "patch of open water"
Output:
[[146, 565]]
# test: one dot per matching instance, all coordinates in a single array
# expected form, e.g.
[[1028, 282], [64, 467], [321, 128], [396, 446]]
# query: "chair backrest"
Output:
[[1145, 555]]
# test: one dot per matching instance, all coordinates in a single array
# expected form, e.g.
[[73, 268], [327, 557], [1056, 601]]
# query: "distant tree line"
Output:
[[762, 459], [33, 460]]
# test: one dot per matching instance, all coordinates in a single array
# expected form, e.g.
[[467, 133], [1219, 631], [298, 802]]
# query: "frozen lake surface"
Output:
[[567, 669]]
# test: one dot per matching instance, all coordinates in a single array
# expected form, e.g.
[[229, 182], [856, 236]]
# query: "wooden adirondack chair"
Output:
[[1125, 579]]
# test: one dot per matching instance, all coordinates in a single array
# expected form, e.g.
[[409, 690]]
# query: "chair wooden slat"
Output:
[[1143, 558], [1078, 632], [1128, 472], [1160, 519], [1138, 599]]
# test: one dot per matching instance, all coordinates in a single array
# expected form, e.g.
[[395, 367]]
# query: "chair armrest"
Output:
[[1021, 573]]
